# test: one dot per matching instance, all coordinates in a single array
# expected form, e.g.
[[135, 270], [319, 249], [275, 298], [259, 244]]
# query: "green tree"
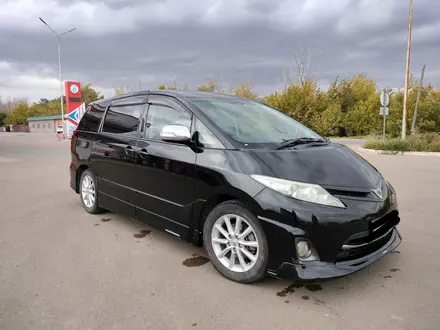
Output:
[[304, 103], [119, 91], [49, 108], [19, 115], [244, 90], [89, 95], [209, 86], [3, 116]]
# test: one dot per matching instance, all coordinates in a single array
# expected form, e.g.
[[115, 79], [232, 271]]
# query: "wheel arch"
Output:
[[79, 172], [203, 208]]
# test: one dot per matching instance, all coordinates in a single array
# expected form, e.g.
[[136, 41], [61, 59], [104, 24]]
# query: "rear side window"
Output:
[[122, 119], [92, 118]]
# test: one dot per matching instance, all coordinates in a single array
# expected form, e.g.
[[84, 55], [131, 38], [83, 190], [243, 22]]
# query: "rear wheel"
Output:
[[88, 192], [236, 243]]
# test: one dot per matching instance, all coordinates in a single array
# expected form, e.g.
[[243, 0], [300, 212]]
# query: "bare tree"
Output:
[[10, 103], [301, 67], [173, 84], [302, 61]]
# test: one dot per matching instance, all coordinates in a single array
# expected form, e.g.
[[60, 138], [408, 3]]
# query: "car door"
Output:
[[114, 152], [164, 170]]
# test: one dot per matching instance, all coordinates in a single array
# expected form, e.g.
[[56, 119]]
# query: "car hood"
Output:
[[329, 165]]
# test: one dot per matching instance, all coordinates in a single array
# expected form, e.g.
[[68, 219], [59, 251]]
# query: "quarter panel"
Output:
[[221, 172]]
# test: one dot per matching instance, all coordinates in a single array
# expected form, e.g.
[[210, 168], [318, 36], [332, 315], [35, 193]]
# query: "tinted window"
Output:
[[159, 116], [122, 119], [205, 137], [92, 118]]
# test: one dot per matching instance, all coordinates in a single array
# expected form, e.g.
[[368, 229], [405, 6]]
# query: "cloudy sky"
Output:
[[121, 42]]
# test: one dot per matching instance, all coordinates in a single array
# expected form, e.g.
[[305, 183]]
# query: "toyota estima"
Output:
[[263, 193]]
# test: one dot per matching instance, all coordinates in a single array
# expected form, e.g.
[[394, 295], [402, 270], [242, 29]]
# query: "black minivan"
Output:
[[263, 193]]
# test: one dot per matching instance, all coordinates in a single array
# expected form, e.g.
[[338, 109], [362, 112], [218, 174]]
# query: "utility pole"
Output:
[[408, 59], [419, 92], [384, 121], [59, 69]]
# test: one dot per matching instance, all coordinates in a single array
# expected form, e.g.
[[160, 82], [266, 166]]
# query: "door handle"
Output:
[[143, 153], [128, 150]]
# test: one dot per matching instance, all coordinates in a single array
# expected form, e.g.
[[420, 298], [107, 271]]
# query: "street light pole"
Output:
[[59, 69]]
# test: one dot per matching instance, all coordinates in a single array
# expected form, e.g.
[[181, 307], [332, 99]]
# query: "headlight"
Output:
[[308, 192]]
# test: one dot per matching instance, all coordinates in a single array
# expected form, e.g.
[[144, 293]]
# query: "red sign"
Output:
[[73, 101]]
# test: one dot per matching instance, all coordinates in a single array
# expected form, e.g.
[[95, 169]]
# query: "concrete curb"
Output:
[[402, 153]]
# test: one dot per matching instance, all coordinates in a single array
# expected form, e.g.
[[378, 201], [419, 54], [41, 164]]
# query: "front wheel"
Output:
[[89, 193], [236, 243]]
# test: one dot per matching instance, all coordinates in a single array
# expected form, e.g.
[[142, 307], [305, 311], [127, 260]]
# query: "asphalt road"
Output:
[[61, 268], [349, 142]]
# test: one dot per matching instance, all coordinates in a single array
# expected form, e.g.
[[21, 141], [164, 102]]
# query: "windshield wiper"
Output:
[[294, 142]]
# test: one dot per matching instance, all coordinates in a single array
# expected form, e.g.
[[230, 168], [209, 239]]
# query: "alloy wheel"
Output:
[[235, 243], [88, 191]]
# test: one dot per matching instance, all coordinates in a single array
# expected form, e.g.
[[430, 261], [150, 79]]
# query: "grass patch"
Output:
[[416, 142]]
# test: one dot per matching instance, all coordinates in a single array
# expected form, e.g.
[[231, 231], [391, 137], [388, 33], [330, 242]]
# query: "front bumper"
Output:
[[346, 240], [326, 270]]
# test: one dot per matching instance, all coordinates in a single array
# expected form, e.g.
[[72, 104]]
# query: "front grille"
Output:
[[350, 193], [364, 243]]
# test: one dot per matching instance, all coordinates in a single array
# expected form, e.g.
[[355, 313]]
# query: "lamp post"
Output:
[[59, 68]]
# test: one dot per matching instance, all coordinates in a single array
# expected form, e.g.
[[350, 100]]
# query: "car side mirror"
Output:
[[175, 133]]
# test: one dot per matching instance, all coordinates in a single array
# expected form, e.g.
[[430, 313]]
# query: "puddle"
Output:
[[290, 289], [142, 233], [105, 219], [195, 261], [313, 287], [96, 224], [319, 302], [395, 270]]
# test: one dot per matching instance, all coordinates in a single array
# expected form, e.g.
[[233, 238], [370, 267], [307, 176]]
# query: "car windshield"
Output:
[[253, 124]]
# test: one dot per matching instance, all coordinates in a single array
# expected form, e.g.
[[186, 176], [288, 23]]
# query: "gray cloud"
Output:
[[121, 42]]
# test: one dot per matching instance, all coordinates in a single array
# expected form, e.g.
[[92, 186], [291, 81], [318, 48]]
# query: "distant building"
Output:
[[44, 124]]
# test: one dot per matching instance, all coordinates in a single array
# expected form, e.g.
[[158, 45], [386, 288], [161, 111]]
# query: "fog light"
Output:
[[303, 249]]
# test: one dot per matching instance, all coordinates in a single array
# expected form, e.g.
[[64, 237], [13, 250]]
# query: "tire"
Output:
[[89, 204], [252, 266]]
